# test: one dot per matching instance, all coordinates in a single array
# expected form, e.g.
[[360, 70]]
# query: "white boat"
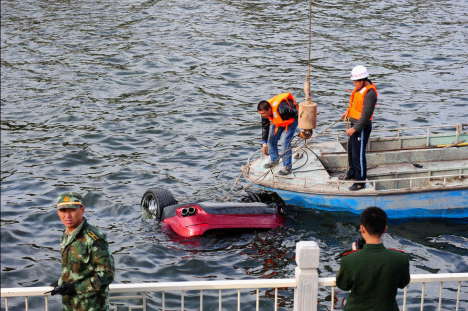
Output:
[[412, 172]]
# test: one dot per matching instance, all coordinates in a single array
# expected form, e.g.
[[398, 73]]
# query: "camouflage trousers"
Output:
[[97, 302]]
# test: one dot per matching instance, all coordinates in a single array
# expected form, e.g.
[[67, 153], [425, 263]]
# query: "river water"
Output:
[[110, 98]]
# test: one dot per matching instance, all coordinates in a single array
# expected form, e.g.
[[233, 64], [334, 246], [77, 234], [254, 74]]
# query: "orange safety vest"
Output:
[[274, 103], [356, 103]]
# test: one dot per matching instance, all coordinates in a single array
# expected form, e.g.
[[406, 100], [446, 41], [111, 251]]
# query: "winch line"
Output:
[[310, 38], [308, 98]]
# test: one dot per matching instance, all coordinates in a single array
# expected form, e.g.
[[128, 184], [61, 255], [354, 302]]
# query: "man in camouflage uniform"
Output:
[[87, 264]]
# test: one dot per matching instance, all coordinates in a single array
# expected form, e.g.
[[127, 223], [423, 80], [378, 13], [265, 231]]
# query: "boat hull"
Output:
[[451, 203]]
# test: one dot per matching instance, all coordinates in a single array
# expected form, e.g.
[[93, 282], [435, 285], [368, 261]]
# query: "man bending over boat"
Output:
[[279, 116], [87, 263], [373, 273], [360, 113]]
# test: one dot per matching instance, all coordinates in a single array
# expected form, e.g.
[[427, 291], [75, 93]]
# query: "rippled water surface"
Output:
[[110, 98]]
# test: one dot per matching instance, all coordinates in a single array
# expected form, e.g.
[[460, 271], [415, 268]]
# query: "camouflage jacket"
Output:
[[86, 261]]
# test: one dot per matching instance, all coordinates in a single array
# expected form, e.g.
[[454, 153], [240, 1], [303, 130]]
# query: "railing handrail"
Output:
[[227, 284], [375, 181], [458, 128], [202, 285]]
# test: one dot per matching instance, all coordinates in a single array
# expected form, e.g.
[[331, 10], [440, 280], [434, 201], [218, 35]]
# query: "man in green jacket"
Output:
[[87, 263], [373, 273]]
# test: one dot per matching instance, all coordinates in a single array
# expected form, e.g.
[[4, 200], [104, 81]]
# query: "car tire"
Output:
[[155, 200]]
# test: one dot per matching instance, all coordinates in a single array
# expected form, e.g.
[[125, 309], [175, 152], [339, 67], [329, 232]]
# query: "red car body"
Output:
[[194, 219]]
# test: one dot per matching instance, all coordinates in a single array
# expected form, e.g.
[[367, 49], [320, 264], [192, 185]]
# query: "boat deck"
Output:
[[390, 162]]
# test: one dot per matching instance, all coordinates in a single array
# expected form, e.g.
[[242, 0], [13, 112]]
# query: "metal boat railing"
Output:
[[458, 131], [374, 182], [452, 290], [399, 131], [311, 181], [410, 180]]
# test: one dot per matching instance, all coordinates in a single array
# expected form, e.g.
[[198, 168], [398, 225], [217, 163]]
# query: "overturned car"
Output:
[[265, 211]]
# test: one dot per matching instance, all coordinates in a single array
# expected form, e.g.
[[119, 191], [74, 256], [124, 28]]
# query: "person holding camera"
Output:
[[373, 273], [87, 264]]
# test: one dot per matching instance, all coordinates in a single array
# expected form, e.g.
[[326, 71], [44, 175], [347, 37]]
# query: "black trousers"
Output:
[[357, 153]]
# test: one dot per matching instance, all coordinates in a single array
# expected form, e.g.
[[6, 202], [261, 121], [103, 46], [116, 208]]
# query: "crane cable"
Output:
[[307, 82], [308, 99]]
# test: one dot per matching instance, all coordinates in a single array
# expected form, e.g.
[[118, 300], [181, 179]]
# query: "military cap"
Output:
[[69, 200]]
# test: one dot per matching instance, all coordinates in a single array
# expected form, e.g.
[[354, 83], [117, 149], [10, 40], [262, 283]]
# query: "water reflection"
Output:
[[112, 98]]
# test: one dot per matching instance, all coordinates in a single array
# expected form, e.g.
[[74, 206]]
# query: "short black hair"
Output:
[[374, 219], [263, 106]]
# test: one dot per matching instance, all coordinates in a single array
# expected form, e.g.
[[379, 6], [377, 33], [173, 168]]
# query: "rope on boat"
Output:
[[261, 177]]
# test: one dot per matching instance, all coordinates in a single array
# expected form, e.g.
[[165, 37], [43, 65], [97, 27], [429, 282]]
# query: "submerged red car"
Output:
[[192, 219]]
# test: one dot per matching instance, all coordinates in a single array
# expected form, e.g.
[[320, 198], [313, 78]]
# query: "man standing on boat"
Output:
[[87, 263], [360, 113], [373, 273], [279, 116]]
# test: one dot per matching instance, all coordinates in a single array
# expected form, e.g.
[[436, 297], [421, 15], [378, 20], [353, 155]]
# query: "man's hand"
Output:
[[66, 289], [265, 148], [350, 131], [344, 115]]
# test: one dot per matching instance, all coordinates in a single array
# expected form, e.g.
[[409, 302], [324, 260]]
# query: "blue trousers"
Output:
[[273, 139], [357, 153]]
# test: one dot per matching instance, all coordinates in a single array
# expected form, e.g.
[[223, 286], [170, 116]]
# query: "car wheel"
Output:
[[155, 200]]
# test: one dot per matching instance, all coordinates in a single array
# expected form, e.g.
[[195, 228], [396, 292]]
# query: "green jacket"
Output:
[[373, 274], [86, 261]]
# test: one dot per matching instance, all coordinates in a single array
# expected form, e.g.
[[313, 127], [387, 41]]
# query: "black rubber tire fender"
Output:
[[159, 198], [265, 196]]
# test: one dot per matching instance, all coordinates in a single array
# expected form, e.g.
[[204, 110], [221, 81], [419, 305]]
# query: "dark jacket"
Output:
[[285, 112], [373, 274], [369, 105]]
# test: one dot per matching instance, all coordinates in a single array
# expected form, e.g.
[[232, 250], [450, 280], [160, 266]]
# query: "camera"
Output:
[[360, 242]]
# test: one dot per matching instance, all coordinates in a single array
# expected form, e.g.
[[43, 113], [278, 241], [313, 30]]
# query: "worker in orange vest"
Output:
[[279, 115], [360, 113]]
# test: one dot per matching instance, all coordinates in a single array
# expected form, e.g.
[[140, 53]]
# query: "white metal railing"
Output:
[[182, 287], [305, 285]]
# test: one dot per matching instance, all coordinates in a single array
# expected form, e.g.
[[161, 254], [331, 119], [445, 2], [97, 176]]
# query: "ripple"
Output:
[[112, 98]]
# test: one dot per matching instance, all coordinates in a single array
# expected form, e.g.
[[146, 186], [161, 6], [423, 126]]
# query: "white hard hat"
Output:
[[359, 72]]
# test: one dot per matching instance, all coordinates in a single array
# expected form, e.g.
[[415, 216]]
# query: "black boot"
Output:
[[356, 186]]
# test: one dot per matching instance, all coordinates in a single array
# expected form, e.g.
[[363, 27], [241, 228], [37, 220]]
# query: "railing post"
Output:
[[307, 259]]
